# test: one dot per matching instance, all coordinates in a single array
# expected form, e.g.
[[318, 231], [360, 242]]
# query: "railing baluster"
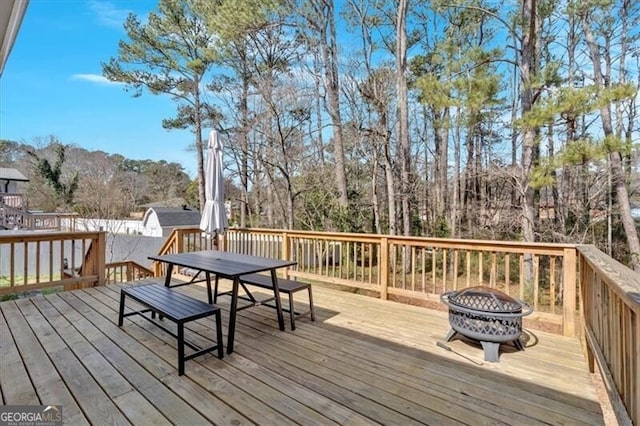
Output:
[[455, 269], [25, 260]]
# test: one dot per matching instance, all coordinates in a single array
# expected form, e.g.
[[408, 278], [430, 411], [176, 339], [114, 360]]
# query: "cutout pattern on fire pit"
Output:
[[487, 315]]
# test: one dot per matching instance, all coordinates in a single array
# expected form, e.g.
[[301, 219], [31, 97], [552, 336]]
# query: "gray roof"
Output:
[[172, 202], [176, 216], [12, 174]]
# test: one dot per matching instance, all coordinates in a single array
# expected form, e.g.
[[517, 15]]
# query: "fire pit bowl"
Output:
[[486, 315]]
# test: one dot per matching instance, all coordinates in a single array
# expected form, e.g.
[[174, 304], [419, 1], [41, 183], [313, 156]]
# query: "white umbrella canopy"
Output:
[[214, 215]]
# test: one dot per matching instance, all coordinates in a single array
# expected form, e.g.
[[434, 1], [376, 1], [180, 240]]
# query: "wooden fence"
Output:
[[39, 260]]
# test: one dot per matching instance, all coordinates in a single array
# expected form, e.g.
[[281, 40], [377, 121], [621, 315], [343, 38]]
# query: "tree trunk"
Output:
[[403, 114], [244, 149], [455, 204], [374, 193], [527, 71], [391, 192], [199, 146], [615, 159], [330, 58]]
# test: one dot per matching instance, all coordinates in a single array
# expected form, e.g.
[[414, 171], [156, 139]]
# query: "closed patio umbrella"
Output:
[[214, 216]]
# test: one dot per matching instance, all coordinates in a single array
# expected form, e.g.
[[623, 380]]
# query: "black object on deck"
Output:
[[487, 315], [176, 307], [284, 286]]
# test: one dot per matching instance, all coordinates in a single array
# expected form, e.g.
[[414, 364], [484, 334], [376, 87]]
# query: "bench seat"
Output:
[[284, 286], [176, 307]]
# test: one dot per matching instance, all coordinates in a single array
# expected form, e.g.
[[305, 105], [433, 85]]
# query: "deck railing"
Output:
[[412, 268], [126, 271], [184, 239], [611, 316], [12, 199], [39, 260], [14, 218]]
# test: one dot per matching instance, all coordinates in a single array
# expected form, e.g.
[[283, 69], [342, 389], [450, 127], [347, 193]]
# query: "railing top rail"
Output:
[[49, 214], [542, 248], [624, 281], [23, 235]]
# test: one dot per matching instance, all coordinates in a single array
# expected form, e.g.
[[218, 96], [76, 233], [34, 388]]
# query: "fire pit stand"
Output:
[[486, 315]]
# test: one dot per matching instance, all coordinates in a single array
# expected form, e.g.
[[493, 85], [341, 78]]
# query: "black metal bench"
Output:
[[284, 285], [177, 307]]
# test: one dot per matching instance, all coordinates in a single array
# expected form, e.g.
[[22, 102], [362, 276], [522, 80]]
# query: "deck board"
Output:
[[15, 385], [363, 361]]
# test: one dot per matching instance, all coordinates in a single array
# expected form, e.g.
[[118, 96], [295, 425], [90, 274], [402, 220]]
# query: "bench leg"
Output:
[[219, 334], [276, 294], [180, 349], [313, 315], [121, 312]]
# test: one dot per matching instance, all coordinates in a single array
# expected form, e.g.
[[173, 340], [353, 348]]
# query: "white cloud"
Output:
[[94, 78], [108, 14]]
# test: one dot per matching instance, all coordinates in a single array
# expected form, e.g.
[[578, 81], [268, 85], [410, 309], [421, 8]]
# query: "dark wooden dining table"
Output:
[[229, 266]]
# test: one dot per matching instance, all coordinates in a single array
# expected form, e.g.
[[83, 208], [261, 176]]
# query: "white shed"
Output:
[[160, 221]]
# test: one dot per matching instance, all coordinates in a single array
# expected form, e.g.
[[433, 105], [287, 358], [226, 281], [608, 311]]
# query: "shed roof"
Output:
[[12, 174], [175, 216]]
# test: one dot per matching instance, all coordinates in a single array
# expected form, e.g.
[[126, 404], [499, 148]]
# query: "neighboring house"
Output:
[[9, 179], [160, 221], [9, 195]]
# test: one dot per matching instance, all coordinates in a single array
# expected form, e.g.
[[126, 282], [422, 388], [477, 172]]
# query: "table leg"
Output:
[[276, 294], [215, 291], [167, 280], [208, 275], [232, 314]]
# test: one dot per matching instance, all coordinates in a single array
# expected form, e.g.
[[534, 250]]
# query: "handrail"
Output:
[[611, 316]]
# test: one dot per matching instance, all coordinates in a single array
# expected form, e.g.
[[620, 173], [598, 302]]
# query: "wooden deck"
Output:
[[364, 361]]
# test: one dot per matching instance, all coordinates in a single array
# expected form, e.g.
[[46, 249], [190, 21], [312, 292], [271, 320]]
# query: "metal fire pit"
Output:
[[486, 315]]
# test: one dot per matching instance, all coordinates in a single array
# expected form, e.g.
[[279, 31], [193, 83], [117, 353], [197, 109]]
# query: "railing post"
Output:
[[101, 254], [157, 269], [130, 271], [569, 292], [285, 252], [384, 268], [179, 241], [285, 246]]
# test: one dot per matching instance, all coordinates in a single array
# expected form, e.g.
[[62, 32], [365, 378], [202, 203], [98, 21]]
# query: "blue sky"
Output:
[[52, 84]]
